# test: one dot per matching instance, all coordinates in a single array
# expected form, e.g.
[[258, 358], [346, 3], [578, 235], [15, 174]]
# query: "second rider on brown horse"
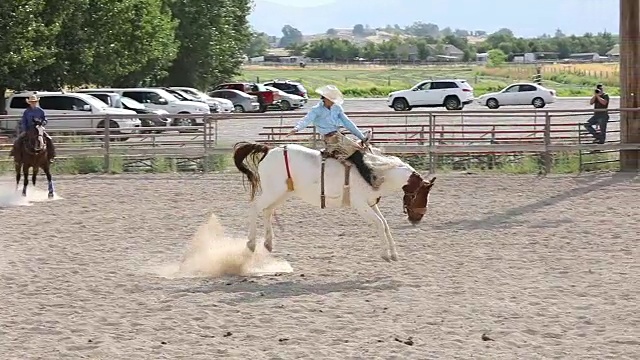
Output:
[[30, 116]]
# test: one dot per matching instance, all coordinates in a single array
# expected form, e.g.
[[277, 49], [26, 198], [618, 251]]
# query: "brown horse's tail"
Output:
[[246, 150]]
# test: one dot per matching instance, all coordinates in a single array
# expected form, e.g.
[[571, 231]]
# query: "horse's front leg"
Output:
[[25, 181], [369, 214], [387, 232], [47, 172]]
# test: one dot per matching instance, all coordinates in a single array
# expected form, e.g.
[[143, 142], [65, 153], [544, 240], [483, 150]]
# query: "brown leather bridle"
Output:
[[411, 189]]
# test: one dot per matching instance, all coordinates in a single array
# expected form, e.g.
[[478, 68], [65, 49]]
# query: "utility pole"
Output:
[[630, 82]]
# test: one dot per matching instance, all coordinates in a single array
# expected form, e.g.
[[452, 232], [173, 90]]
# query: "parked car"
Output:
[[121, 102], [519, 94], [288, 101], [242, 102], [266, 98], [181, 95], [452, 94], [225, 105], [154, 98], [290, 87], [60, 103]]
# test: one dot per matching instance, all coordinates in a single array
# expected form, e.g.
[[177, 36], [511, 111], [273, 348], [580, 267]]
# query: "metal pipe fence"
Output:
[[429, 135]]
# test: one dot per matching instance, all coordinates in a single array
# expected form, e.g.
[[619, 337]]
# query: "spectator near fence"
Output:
[[599, 100]]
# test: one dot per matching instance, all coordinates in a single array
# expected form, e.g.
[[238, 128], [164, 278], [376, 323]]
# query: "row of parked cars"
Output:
[[161, 101], [454, 94], [273, 95]]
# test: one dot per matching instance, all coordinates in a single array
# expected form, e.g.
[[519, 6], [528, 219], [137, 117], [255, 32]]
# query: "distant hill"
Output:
[[524, 18]]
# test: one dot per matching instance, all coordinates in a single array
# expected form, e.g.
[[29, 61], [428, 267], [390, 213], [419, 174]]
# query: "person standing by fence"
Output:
[[599, 100]]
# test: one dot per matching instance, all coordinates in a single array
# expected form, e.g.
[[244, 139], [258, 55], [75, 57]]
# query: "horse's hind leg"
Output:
[[47, 172], [268, 223], [25, 181], [262, 202]]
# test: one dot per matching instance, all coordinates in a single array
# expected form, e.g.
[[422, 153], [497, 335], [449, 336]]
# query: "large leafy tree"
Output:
[[111, 42], [26, 42], [131, 40], [213, 35]]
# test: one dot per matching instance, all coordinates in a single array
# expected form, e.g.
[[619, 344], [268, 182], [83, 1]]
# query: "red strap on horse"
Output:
[[286, 165]]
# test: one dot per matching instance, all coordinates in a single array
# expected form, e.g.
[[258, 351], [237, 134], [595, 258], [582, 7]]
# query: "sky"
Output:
[[524, 17], [303, 3]]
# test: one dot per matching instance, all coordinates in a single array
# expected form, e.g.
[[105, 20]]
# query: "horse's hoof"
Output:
[[386, 257], [50, 195], [394, 257], [269, 247], [251, 246]]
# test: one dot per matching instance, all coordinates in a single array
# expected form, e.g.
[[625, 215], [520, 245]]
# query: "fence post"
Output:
[[432, 121], [547, 142], [205, 134], [107, 141], [314, 138], [580, 166]]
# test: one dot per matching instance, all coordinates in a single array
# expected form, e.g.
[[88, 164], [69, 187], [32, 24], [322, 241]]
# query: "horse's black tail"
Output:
[[243, 150]]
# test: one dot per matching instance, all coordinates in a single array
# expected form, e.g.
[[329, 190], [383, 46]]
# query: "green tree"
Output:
[[26, 42], [369, 51], [258, 45], [496, 57], [213, 36], [133, 41], [297, 49], [290, 35], [424, 51], [358, 30], [332, 49]]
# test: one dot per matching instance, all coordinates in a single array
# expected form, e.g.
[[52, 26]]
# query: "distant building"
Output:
[[450, 52], [614, 53], [533, 57], [585, 57]]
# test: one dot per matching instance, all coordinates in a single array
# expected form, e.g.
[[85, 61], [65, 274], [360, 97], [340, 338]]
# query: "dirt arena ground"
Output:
[[546, 268]]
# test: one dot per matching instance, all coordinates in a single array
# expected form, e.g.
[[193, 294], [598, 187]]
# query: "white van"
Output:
[[59, 103], [160, 99]]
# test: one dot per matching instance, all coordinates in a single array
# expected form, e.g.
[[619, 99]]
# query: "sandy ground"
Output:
[[547, 268]]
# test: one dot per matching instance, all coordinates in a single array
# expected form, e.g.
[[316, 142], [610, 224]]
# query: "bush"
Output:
[[216, 162]]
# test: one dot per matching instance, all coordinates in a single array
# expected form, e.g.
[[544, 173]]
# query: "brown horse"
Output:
[[31, 152]]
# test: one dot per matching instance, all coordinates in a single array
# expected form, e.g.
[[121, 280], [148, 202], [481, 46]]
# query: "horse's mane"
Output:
[[381, 162]]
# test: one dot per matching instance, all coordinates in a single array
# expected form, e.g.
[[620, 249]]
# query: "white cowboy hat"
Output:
[[332, 93], [33, 99]]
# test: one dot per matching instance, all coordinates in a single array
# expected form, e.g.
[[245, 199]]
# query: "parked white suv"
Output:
[[160, 99], [226, 106], [452, 94], [59, 103]]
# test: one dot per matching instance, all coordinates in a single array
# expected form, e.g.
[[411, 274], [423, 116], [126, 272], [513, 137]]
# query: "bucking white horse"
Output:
[[275, 174]]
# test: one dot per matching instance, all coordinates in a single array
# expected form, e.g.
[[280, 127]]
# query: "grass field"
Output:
[[378, 81]]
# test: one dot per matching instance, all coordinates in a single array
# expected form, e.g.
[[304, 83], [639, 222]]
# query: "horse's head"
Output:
[[35, 138], [416, 197]]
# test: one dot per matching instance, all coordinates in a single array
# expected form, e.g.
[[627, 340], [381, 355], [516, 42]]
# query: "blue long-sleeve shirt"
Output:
[[29, 115], [328, 120]]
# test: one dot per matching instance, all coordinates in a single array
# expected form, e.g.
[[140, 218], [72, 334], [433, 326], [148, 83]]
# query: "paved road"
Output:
[[231, 131]]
